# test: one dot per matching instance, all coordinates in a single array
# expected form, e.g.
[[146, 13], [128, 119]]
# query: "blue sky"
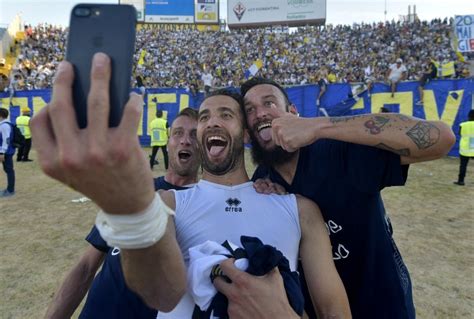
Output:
[[338, 11]]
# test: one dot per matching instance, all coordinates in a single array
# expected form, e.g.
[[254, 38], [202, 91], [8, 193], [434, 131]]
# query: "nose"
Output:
[[261, 112], [185, 140], [214, 121]]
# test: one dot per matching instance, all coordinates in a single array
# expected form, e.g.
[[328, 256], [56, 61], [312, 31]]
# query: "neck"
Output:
[[237, 175], [179, 180], [287, 170]]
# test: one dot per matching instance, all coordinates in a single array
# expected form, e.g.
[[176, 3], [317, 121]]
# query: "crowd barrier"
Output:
[[446, 100]]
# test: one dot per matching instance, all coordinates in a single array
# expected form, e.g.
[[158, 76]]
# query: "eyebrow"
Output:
[[220, 109], [225, 108], [203, 112]]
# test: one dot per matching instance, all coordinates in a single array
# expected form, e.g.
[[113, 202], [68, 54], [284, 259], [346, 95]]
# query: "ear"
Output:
[[246, 136], [293, 109]]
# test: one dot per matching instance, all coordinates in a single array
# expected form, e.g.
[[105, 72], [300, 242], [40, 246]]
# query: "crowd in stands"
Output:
[[168, 58]]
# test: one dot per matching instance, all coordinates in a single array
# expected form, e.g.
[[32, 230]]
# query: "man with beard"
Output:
[[342, 164], [109, 296], [204, 214]]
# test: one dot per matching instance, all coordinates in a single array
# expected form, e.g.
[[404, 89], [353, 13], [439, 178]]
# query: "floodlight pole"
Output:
[[385, 12]]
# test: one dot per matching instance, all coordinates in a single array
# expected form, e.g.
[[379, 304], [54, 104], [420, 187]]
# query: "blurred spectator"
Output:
[[207, 81], [323, 84], [429, 73], [396, 73]]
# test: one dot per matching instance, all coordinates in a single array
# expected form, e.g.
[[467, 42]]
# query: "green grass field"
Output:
[[42, 235]]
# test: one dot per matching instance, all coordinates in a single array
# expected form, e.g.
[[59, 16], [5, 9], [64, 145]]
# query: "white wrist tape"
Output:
[[140, 230]]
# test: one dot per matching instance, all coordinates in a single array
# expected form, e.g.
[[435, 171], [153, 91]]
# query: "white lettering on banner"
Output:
[[115, 251]]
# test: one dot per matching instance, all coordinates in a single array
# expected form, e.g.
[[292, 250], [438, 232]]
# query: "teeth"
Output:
[[215, 138], [264, 125]]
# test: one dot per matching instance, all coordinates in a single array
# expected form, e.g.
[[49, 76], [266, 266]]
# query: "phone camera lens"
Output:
[[82, 12]]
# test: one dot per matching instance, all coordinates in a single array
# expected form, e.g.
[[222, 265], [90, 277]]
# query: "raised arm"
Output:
[[75, 285], [414, 139], [108, 166], [148, 276], [324, 284]]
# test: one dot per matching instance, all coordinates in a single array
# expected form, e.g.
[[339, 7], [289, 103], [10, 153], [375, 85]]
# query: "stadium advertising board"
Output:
[[169, 11], [139, 6], [250, 13], [464, 31], [207, 11]]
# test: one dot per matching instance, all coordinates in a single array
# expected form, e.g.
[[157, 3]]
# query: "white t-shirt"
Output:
[[396, 72], [218, 213], [207, 79]]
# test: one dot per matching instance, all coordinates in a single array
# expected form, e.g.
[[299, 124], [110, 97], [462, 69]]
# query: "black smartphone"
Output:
[[101, 28]]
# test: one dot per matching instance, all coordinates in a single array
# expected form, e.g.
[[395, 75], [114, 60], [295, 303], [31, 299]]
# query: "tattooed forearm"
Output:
[[340, 119], [401, 152], [402, 117], [375, 125], [424, 135]]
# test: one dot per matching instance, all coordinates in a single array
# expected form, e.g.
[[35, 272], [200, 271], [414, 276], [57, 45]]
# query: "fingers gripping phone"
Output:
[[101, 28]]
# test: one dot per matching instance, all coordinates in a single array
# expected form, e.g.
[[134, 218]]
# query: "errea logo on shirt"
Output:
[[233, 205]]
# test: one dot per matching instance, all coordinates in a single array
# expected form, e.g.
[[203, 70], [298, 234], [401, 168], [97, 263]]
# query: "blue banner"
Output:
[[446, 100]]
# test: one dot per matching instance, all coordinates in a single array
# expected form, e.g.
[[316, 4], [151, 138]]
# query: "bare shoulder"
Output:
[[308, 211], [168, 198]]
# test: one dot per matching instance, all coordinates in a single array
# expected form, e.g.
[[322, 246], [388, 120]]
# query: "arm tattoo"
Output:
[[401, 152], [402, 117], [339, 119], [424, 135], [376, 124]]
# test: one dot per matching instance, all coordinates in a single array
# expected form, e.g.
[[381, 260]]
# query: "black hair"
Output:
[[227, 92], [159, 113], [383, 109], [247, 85], [3, 113]]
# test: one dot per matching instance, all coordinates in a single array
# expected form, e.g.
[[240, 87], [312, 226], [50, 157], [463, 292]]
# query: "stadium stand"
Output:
[[166, 58]]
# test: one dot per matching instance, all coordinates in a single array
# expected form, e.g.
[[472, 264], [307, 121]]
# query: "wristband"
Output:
[[135, 231]]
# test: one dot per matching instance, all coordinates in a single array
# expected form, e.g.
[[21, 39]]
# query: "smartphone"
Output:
[[101, 28]]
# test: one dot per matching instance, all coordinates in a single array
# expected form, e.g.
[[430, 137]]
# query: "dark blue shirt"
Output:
[[345, 181], [109, 297]]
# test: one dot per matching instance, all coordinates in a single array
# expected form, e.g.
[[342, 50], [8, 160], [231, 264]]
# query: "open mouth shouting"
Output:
[[264, 130], [184, 155], [216, 144]]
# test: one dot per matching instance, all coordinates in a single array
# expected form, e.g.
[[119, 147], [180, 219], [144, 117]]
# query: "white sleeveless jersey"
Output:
[[218, 213]]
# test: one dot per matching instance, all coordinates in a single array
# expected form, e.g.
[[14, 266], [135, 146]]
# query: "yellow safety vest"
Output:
[[466, 145], [23, 123], [159, 132]]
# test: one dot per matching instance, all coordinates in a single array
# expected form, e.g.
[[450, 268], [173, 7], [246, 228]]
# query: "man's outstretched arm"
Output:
[[75, 285], [108, 166], [414, 139]]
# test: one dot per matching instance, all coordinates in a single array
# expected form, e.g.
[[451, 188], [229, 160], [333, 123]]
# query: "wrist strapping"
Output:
[[135, 231]]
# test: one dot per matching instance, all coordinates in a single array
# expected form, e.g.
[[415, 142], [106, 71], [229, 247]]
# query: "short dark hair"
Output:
[[383, 109], [232, 94], [247, 85], [159, 113], [3, 113]]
